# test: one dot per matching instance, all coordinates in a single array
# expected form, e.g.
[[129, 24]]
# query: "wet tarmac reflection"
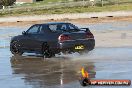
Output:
[[41, 72]]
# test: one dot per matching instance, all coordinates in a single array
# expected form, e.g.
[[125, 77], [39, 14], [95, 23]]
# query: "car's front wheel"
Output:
[[14, 48]]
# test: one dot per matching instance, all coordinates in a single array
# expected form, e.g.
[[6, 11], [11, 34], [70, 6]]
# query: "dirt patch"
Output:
[[78, 21]]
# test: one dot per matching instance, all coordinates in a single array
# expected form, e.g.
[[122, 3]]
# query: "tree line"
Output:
[[7, 2]]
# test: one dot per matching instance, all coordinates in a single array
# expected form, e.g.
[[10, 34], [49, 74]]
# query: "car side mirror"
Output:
[[24, 33]]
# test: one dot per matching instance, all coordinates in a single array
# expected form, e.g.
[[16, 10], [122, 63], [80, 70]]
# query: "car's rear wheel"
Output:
[[46, 51], [83, 52], [14, 48]]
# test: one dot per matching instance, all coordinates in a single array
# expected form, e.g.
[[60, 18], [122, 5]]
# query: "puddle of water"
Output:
[[7, 32], [64, 71], [109, 26]]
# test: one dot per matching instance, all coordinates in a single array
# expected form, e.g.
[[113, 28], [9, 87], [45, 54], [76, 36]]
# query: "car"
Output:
[[53, 38]]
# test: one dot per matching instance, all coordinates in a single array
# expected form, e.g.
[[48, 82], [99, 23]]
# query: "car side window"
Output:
[[63, 27], [33, 30], [41, 29], [71, 27], [53, 27]]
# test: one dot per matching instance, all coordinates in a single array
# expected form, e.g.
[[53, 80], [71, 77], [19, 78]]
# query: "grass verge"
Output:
[[123, 7]]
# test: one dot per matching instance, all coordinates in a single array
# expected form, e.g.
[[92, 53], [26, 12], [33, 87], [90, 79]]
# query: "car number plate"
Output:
[[79, 47]]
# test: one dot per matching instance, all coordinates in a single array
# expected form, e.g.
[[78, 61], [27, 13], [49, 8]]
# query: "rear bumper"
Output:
[[70, 45]]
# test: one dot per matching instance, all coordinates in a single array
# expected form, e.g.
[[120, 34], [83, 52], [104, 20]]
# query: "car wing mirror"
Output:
[[24, 33]]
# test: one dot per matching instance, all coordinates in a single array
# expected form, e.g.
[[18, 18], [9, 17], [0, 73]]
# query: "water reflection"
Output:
[[51, 72]]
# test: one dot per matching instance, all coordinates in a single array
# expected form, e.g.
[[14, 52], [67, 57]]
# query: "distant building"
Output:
[[25, 1]]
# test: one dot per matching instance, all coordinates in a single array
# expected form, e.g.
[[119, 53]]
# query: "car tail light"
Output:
[[63, 38], [89, 35]]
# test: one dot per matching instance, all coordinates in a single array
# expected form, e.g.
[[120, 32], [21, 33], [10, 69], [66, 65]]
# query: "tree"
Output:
[[7, 2], [102, 3]]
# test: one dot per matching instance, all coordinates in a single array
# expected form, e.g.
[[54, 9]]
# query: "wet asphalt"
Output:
[[62, 71]]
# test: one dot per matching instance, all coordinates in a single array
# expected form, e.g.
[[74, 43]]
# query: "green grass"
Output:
[[124, 7], [45, 2]]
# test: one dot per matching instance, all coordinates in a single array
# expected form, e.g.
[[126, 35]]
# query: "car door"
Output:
[[52, 35], [31, 38]]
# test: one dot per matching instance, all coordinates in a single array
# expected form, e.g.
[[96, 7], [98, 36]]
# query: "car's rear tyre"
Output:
[[83, 52], [14, 48], [47, 53]]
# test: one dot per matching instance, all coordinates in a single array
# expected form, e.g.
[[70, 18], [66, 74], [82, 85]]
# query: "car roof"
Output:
[[49, 23], [56, 23]]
